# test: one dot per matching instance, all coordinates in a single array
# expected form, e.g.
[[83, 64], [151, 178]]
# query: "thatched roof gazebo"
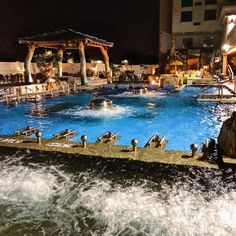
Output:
[[62, 40]]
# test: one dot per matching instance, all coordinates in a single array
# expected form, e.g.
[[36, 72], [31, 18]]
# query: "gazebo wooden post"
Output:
[[224, 64], [107, 64], [82, 58], [30, 54], [60, 53]]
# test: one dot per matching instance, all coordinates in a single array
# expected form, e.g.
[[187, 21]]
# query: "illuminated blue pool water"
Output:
[[178, 116]]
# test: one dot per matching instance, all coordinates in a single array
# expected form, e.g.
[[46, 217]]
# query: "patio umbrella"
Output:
[[175, 63]]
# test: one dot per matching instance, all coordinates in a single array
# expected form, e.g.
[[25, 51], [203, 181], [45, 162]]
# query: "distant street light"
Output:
[[226, 47], [124, 62]]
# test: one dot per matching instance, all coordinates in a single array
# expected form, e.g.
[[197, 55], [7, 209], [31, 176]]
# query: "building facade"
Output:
[[197, 30], [227, 20], [204, 29]]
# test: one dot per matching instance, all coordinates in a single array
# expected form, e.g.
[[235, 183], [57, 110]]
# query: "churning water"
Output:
[[103, 113], [41, 196]]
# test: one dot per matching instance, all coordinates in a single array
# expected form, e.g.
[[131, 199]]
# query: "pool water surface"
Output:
[[177, 116]]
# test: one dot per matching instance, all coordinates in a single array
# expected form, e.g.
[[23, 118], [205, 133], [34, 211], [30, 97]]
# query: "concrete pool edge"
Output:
[[105, 151]]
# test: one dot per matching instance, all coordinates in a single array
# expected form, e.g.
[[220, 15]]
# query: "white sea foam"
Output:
[[115, 111], [88, 204], [172, 211], [26, 185]]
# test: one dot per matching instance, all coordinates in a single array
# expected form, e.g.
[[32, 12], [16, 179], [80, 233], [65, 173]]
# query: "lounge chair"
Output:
[[64, 134], [169, 87], [108, 86], [108, 137], [153, 87], [123, 86], [26, 131], [155, 141], [137, 86]]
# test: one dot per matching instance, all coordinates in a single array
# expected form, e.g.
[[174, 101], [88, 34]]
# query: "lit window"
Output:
[[186, 16], [187, 3], [210, 15]]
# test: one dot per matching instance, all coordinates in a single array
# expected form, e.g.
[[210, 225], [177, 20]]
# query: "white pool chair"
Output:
[[137, 86], [123, 86], [108, 86], [153, 87]]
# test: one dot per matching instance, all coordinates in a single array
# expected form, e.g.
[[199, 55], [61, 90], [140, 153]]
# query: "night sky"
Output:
[[131, 24]]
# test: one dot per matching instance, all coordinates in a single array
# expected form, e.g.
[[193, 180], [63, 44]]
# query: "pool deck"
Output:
[[218, 100], [151, 155]]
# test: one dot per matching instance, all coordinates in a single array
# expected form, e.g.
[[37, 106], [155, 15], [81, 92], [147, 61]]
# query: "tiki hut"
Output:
[[62, 40]]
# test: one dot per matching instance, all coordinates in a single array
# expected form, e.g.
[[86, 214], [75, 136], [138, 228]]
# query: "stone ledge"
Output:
[[150, 155]]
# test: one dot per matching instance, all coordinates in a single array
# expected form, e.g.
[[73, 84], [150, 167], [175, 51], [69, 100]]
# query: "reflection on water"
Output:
[[72, 197], [37, 109]]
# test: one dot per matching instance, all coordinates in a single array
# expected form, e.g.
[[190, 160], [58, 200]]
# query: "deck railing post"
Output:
[[134, 143], [84, 139], [39, 135]]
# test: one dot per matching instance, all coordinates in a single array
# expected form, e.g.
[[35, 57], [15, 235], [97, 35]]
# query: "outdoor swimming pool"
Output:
[[178, 116]]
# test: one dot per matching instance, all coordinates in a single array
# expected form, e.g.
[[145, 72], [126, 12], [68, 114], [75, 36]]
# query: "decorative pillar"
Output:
[[82, 58], [28, 77], [107, 65], [225, 63], [60, 53]]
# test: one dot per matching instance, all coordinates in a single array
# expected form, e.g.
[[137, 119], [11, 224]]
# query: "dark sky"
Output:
[[131, 24]]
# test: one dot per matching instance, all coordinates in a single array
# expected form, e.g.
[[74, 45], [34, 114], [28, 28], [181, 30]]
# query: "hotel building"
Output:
[[197, 30], [227, 19]]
